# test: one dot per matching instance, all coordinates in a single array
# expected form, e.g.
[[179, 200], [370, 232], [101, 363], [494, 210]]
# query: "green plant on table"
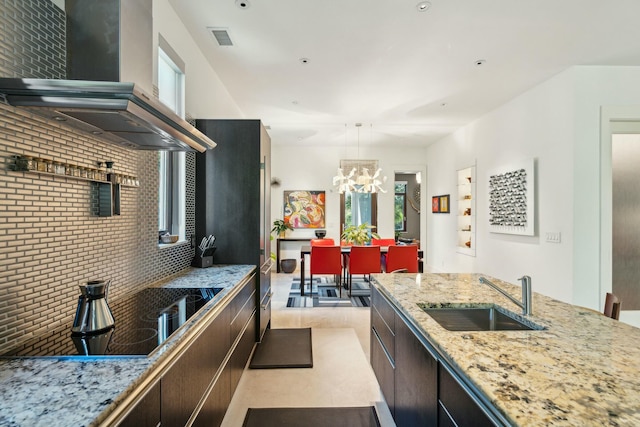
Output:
[[280, 227], [359, 234]]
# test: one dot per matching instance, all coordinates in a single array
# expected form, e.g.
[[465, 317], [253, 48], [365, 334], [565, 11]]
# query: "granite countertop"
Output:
[[583, 369], [52, 391]]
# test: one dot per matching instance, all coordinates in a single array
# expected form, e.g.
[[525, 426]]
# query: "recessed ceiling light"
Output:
[[423, 6], [304, 60], [243, 4], [480, 62], [444, 104], [294, 102]]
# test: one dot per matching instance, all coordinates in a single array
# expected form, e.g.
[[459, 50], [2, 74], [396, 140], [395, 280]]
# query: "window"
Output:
[[171, 165], [400, 206], [358, 208]]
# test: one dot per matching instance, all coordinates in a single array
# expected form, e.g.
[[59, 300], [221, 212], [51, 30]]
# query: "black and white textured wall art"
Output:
[[511, 199]]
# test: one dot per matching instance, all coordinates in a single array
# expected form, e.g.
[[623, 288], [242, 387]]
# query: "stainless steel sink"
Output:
[[484, 318]]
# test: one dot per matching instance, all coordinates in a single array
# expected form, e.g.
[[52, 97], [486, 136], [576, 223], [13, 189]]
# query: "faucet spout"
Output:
[[525, 305]]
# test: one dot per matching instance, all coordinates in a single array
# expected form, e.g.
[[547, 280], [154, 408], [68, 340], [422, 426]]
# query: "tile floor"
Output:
[[341, 374]]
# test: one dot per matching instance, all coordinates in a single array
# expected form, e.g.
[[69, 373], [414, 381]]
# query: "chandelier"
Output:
[[359, 178]]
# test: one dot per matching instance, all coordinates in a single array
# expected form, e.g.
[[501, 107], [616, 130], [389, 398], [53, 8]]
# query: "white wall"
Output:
[[206, 97], [536, 125], [313, 168], [557, 123]]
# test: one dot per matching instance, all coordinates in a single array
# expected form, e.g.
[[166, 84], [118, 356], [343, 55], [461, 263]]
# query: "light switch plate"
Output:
[[553, 236]]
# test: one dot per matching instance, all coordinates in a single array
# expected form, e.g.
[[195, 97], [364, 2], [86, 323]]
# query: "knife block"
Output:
[[204, 259]]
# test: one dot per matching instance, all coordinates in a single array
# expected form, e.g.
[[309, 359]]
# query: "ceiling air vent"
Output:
[[222, 36]]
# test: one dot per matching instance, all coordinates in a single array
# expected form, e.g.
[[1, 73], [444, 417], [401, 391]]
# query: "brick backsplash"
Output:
[[32, 39], [50, 240]]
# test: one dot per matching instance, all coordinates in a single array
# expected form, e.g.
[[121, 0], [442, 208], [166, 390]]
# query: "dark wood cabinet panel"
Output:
[[242, 352], [459, 405], [184, 384], [417, 387], [146, 413], [416, 379], [215, 405], [383, 369], [387, 337], [233, 186], [384, 308]]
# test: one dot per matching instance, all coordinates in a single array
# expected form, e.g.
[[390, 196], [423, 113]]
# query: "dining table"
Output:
[[346, 250]]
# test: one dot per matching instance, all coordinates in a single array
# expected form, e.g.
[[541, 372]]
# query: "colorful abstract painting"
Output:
[[304, 209]]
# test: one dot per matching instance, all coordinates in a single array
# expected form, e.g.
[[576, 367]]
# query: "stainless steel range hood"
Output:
[[108, 42], [121, 113]]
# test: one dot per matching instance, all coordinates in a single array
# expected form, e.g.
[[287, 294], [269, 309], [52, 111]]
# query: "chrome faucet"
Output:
[[525, 305]]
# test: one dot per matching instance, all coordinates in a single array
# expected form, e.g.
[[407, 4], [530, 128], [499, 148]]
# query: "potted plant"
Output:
[[280, 227], [359, 234]]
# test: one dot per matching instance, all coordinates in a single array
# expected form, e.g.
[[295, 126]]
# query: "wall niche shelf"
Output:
[[466, 210]]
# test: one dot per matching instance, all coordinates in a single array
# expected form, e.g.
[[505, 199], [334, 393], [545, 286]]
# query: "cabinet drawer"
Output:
[[243, 314], [386, 335], [241, 353], [384, 308], [384, 370], [242, 297], [462, 409]]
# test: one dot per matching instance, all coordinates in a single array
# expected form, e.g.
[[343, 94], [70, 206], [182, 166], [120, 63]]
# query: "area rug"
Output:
[[284, 348], [312, 417], [325, 294]]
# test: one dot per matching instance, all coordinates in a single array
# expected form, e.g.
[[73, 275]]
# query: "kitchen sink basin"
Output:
[[484, 318]]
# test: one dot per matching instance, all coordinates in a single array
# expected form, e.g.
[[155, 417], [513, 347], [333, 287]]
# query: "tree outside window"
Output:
[[400, 206]]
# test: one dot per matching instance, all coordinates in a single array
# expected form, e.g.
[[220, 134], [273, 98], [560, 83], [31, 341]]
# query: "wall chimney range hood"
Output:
[[120, 113], [108, 43]]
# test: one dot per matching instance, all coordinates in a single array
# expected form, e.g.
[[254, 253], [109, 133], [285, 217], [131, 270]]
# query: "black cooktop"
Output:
[[143, 321]]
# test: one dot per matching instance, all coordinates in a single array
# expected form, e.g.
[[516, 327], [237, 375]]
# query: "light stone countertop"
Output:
[[52, 391], [583, 370]]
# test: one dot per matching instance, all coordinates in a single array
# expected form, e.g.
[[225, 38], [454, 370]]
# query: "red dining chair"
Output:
[[383, 242], [322, 242], [326, 260], [363, 260], [403, 258], [612, 306]]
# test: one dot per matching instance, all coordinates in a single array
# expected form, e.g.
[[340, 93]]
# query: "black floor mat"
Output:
[[311, 417], [284, 348]]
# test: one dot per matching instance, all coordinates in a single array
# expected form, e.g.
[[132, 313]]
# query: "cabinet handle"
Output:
[[266, 304], [267, 269]]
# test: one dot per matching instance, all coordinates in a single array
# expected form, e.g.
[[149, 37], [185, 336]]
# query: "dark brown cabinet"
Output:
[[233, 200], [146, 413], [198, 385], [187, 380], [456, 407], [383, 346], [414, 379]]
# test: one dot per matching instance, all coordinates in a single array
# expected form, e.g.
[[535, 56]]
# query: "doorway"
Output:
[[407, 206]]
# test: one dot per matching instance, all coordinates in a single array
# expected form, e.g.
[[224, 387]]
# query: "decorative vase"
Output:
[[288, 265]]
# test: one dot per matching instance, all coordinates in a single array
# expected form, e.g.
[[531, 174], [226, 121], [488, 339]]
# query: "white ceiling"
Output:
[[410, 77]]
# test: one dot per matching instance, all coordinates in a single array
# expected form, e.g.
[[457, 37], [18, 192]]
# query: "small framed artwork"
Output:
[[440, 204], [435, 204]]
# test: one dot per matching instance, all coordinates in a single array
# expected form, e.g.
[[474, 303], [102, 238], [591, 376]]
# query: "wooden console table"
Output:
[[287, 239]]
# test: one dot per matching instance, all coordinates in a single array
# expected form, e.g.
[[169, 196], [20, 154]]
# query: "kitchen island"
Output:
[[88, 391], [581, 369]]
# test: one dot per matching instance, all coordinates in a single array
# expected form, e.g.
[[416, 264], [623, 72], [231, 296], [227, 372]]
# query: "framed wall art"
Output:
[[440, 204], [512, 199], [304, 208]]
